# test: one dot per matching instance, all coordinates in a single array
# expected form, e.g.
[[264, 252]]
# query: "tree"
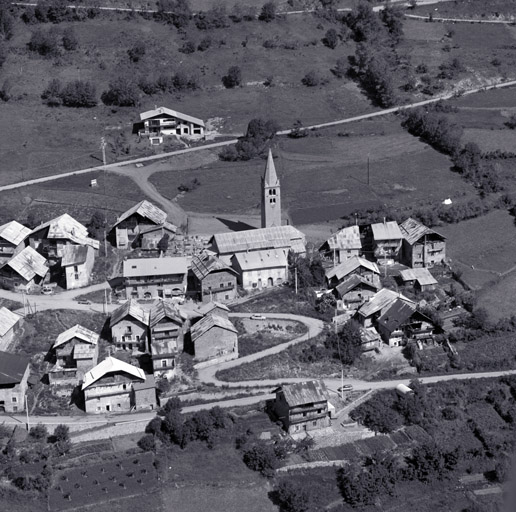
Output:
[[45, 43], [173, 427], [233, 78], [70, 41], [122, 92], [311, 79], [216, 17], [347, 344], [427, 463], [52, 94], [137, 52], [96, 225], [261, 458], [392, 17], [38, 432], [294, 496], [268, 12], [365, 24], [4, 52], [61, 433], [163, 244], [147, 443], [79, 93], [176, 12], [341, 68], [331, 39], [6, 23]]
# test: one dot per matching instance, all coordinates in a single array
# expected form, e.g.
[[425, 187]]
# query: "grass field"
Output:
[[497, 299], [491, 140], [476, 9]]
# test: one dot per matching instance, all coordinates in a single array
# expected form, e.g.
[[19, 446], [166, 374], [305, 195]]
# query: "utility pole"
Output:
[[295, 278], [367, 170], [103, 145], [27, 412]]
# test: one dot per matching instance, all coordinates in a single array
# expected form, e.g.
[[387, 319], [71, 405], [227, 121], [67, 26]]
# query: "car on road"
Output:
[[346, 387], [84, 301], [258, 317], [47, 290]]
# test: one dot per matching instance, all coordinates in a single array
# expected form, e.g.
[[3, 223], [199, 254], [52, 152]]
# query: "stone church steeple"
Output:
[[271, 196]]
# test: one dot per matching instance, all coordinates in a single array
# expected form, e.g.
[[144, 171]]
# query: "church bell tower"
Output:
[[271, 196]]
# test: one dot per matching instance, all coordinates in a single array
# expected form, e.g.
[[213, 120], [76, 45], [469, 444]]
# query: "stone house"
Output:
[[77, 264], [14, 375], [354, 291], [12, 239], [116, 386], [211, 279], [151, 236], [10, 324], [214, 337], [355, 266], [261, 269], [24, 272], [76, 351], [343, 245], [136, 220], [370, 311], [302, 406], [422, 246], [130, 327], [386, 241], [215, 308]]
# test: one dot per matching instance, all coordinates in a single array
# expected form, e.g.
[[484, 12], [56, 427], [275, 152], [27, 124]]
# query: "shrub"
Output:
[[421, 68], [188, 47], [331, 39], [341, 68], [38, 432], [45, 43], [176, 12], [261, 458], [233, 78], [3, 53], [52, 94], [204, 44], [216, 17], [147, 443], [122, 92], [312, 79], [148, 85], [6, 23], [137, 52], [69, 39], [79, 93], [268, 12]]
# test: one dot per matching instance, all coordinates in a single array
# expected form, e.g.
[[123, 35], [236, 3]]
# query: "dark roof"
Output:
[[412, 230], [12, 368], [129, 308], [164, 309], [302, 393], [204, 264], [398, 313], [351, 283]]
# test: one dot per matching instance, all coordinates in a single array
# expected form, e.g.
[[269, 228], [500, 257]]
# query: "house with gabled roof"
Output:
[[25, 271], [214, 337], [370, 311], [10, 323], [130, 326], [281, 238], [261, 269], [302, 406], [77, 264], [217, 308], [116, 386], [76, 351], [355, 266], [162, 121], [12, 239], [14, 376], [136, 220], [354, 291], [50, 238], [402, 322], [148, 278], [386, 241], [420, 278], [151, 236], [210, 279], [422, 246], [343, 245]]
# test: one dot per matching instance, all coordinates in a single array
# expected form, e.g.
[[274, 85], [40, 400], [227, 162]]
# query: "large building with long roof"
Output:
[[422, 246], [25, 271]]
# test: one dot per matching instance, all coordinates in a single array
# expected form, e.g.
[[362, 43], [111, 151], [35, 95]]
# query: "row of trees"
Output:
[[49, 43]]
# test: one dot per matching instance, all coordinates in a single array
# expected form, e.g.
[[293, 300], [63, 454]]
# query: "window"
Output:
[[137, 337], [97, 409], [76, 277], [222, 285], [75, 268], [319, 411], [297, 428], [14, 399], [15, 408], [272, 200], [314, 423], [124, 386], [163, 363], [129, 329], [119, 406], [304, 414]]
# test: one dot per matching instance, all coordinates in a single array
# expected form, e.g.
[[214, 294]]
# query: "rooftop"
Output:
[[380, 301], [8, 320], [351, 283], [386, 231], [205, 263], [66, 227], [412, 231], [261, 259], [347, 238], [155, 266], [397, 314], [12, 368], [271, 178], [166, 225], [29, 264], [14, 232], [111, 365], [75, 255], [168, 111], [350, 265], [421, 275], [164, 309], [211, 306], [130, 308], [209, 321], [77, 331], [146, 210], [302, 393]]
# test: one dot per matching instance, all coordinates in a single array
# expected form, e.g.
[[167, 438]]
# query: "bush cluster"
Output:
[[180, 82], [78, 93], [48, 43]]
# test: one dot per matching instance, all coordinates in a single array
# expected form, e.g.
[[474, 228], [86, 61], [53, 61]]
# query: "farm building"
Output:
[[419, 278], [402, 322], [302, 406], [386, 241], [14, 374], [10, 324], [166, 337], [164, 121], [371, 340], [354, 291], [261, 269], [271, 196], [211, 279], [136, 220], [147, 278], [50, 238], [215, 308], [12, 238], [284, 238], [377, 305], [77, 264], [343, 245], [25, 271], [355, 266], [76, 351], [116, 386], [151, 236], [129, 327], [422, 246], [214, 337]]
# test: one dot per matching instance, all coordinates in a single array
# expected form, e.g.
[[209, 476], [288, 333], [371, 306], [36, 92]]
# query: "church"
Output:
[[260, 255]]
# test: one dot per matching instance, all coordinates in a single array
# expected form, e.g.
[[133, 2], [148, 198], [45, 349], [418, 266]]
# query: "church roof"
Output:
[[271, 178]]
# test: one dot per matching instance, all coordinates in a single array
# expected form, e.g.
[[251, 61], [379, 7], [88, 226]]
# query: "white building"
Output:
[[261, 269]]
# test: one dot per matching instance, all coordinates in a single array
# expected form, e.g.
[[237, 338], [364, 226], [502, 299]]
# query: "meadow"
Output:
[[476, 9]]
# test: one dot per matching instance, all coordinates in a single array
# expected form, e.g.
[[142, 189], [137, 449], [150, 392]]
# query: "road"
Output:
[[459, 20]]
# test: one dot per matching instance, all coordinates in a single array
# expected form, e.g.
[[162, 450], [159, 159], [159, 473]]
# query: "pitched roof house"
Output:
[[77, 262], [353, 266], [377, 305], [10, 323], [302, 406], [14, 374], [422, 246], [115, 386], [12, 237], [420, 278], [214, 307], [24, 271], [386, 240], [354, 291], [261, 269], [129, 325], [214, 337], [344, 244]]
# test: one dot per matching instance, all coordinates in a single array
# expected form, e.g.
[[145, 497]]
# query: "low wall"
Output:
[[211, 362]]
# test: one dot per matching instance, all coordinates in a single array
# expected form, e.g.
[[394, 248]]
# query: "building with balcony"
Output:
[[210, 279], [116, 386], [164, 121], [130, 327], [14, 375], [355, 266], [422, 246], [149, 278], [354, 291], [386, 241], [302, 406], [261, 269], [343, 245], [24, 272], [12, 240]]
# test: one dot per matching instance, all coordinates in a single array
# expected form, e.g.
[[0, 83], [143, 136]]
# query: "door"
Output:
[[270, 282], [108, 408]]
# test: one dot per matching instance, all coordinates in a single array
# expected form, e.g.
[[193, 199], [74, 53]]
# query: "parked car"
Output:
[[47, 290], [346, 387], [258, 317], [84, 301]]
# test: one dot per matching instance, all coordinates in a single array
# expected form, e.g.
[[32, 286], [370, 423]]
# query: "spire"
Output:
[[271, 178]]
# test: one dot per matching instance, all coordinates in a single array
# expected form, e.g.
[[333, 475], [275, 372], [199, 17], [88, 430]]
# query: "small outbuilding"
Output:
[[420, 278], [214, 337]]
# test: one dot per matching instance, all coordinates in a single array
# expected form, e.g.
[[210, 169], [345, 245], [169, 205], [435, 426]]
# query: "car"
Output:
[[257, 317], [47, 290], [84, 301], [346, 387]]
